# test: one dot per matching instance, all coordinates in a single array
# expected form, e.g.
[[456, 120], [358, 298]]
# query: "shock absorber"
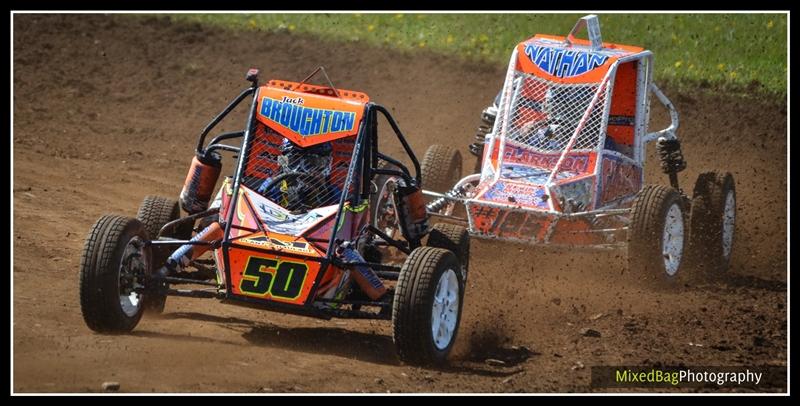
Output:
[[672, 162], [438, 204], [488, 116], [413, 214]]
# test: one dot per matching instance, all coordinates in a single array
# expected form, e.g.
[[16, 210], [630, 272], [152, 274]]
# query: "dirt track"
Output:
[[107, 110]]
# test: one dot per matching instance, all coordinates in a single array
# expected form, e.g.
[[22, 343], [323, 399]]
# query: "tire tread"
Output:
[[437, 167], [95, 274], [413, 299]]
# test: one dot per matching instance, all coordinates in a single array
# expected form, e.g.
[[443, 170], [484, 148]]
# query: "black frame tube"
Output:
[[395, 163], [402, 139], [226, 136], [171, 225], [222, 115], [389, 240], [237, 181], [222, 147], [178, 281], [392, 276]]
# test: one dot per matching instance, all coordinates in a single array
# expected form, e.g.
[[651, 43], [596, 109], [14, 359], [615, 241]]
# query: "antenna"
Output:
[[319, 68], [592, 24]]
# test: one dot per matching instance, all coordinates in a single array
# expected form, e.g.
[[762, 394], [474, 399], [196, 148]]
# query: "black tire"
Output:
[[412, 313], [708, 216], [452, 237], [646, 239], [441, 168], [154, 213], [101, 264]]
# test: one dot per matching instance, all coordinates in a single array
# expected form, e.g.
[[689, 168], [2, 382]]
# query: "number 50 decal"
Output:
[[280, 279]]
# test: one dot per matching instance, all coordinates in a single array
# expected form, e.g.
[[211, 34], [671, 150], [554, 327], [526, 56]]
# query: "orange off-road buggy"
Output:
[[301, 225]]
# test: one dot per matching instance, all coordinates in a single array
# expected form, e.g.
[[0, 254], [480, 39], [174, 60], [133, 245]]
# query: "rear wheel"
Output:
[[114, 266], [713, 220], [657, 233], [154, 213], [427, 306]]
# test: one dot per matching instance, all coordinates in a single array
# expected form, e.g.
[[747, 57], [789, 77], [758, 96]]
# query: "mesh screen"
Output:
[[544, 115], [297, 179]]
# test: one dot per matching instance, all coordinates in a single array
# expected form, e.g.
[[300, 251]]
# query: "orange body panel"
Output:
[[618, 179], [623, 108], [308, 114], [593, 69], [289, 260], [280, 244], [503, 223], [257, 274], [276, 252]]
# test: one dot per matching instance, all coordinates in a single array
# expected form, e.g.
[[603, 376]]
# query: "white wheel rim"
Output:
[[133, 261], [672, 240], [728, 222], [445, 309]]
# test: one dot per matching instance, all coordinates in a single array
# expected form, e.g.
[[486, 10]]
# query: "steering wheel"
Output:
[[314, 182]]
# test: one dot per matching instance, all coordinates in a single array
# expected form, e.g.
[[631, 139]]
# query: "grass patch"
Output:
[[736, 52]]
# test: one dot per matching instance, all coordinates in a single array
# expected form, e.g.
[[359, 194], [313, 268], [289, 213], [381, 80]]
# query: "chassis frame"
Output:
[[619, 210], [366, 158]]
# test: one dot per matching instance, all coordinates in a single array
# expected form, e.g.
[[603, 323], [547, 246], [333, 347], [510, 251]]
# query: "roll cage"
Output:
[[364, 166]]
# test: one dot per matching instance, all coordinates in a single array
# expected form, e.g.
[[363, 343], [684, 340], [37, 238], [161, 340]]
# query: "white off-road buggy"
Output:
[[561, 157]]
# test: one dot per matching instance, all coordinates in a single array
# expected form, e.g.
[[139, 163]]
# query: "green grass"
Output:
[[737, 52]]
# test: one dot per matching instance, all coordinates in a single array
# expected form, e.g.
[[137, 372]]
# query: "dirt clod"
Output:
[[111, 386], [588, 332]]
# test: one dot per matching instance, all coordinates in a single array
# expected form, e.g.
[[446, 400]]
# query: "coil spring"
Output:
[[669, 151], [487, 123], [439, 203]]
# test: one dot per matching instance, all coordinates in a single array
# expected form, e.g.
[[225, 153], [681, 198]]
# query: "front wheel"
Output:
[[441, 168], [657, 233], [114, 266], [427, 306]]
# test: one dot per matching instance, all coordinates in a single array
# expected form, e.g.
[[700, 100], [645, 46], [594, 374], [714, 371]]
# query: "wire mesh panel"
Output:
[[298, 179], [543, 115]]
